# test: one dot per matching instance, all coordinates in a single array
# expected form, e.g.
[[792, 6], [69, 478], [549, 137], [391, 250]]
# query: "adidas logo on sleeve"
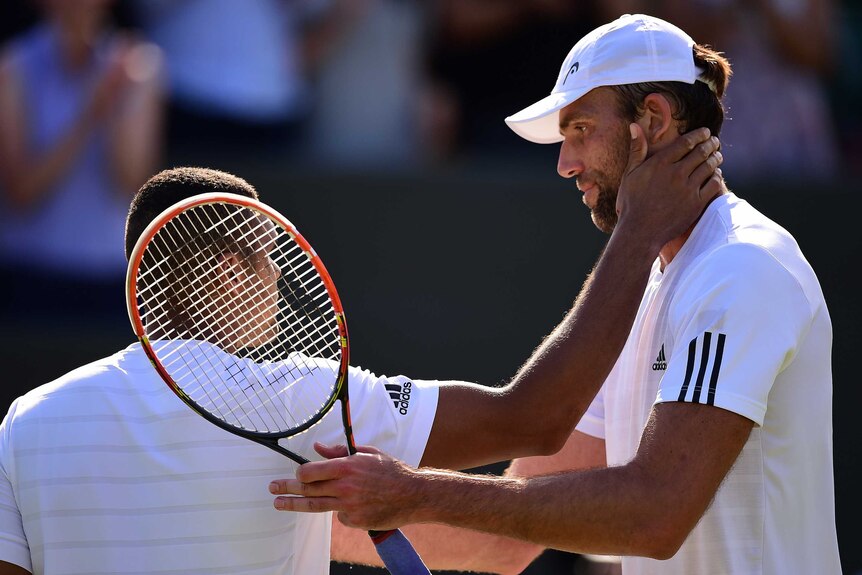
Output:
[[400, 394], [660, 361]]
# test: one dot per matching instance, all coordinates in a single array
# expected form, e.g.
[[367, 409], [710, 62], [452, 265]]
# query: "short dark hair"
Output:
[[695, 105], [173, 185]]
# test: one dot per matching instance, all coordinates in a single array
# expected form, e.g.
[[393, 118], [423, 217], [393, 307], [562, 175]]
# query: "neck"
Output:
[[670, 249]]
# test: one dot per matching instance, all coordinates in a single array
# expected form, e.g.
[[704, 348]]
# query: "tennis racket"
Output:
[[240, 318]]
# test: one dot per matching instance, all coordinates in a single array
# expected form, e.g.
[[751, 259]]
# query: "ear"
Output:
[[657, 120]]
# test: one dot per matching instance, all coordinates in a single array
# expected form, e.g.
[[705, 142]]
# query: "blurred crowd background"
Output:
[[377, 127]]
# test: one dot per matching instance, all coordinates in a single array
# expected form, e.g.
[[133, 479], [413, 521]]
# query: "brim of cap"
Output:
[[539, 122]]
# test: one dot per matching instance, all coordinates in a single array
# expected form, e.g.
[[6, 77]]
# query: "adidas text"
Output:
[[400, 396]]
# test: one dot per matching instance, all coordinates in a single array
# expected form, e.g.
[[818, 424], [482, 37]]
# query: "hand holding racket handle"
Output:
[[393, 547], [397, 553]]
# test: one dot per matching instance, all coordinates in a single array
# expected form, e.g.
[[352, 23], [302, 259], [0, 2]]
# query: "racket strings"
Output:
[[219, 404], [246, 380], [240, 353], [167, 257], [253, 379]]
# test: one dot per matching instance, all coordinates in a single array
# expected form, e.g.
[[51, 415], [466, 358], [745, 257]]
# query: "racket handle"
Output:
[[397, 553]]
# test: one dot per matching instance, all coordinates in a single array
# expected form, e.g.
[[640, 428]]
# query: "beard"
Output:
[[604, 213], [608, 179]]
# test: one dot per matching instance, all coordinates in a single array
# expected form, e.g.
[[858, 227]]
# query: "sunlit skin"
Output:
[[249, 304], [223, 289], [595, 152], [234, 304], [267, 273], [248, 289], [596, 146], [263, 314], [657, 179]]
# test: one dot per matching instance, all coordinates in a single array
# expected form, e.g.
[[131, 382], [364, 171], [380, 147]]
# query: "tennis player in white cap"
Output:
[[708, 450]]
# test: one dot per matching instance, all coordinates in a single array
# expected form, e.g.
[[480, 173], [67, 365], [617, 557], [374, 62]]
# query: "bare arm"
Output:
[[12, 569], [646, 507], [25, 177], [476, 425], [28, 177], [136, 130], [443, 547]]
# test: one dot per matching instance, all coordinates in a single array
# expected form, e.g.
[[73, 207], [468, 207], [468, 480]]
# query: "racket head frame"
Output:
[[340, 388]]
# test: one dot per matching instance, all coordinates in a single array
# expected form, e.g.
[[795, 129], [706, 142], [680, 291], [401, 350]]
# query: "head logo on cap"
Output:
[[572, 70]]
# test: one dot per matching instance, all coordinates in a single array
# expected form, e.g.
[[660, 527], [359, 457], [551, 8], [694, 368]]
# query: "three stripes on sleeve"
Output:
[[708, 368]]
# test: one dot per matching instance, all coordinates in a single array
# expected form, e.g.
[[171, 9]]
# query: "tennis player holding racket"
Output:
[[241, 319], [106, 471]]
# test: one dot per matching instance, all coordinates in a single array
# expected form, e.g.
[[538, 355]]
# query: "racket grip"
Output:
[[397, 553]]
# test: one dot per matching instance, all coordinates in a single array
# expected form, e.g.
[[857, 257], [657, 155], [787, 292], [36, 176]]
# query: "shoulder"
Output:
[[741, 251], [73, 387], [746, 227], [746, 273]]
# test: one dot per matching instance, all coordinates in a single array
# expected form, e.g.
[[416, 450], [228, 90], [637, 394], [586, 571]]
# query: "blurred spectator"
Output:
[[783, 52], [489, 57], [238, 86], [369, 88], [80, 125]]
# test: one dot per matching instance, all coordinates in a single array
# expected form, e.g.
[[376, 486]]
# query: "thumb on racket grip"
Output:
[[397, 553]]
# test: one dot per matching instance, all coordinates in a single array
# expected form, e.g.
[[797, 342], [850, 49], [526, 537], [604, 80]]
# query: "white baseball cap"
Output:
[[633, 48]]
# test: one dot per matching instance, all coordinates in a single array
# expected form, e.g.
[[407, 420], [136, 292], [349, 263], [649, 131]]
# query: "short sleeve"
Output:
[[394, 414], [593, 421], [13, 542], [736, 323]]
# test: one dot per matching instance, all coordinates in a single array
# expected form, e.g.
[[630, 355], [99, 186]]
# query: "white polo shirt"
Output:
[[737, 320], [106, 471]]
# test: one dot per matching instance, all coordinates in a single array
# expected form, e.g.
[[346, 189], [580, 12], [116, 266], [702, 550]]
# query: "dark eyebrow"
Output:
[[571, 119]]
